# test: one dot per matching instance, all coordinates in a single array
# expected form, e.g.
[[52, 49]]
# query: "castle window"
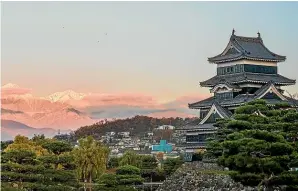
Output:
[[260, 69]]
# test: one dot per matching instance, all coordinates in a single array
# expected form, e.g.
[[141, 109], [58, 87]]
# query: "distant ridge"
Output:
[[10, 128]]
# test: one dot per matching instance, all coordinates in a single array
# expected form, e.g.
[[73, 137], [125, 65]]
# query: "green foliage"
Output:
[[26, 165], [148, 162], [170, 165], [39, 139], [19, 168], [90, 158], [20, 156], [113, 162], [239, 125], [251, 107], [70, 138], [109, 180], [248, 109], [125, 177], [130, 158], [4, 144], [282, 105], [250, 179], [128, 170], [290, 117], [257, 102], [23, 143], [116, 188], [57, 147], [258, 145], [130, 179]]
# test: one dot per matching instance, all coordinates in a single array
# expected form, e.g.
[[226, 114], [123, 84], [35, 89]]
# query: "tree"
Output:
[[23, 168], [125, 178], [113, 162], [148, 162], [170, 165], [39, 139], [149, 169], [4, 144], [258, 144], [23, 143], [57, 147], [90, 158], [130, 158]]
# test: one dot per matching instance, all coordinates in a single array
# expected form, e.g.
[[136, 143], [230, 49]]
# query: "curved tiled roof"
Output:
[[251, 48], [244, 77], [207, 103], [223, 111], [229, 85], [240, 99]]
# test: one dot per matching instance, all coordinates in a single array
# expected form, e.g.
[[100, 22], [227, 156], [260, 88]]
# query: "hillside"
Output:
[[136, 125]]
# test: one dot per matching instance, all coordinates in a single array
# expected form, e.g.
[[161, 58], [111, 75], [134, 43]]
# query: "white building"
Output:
[[165, 127]]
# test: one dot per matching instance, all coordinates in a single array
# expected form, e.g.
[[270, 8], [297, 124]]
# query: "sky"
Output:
[[153, 48]]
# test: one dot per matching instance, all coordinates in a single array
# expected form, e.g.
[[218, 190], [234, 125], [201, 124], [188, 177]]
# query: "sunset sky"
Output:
[[151, 48]]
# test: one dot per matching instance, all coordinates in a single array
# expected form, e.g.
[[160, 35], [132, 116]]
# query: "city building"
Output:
[[166, 127], [162, 147], [124, 134], [246, 70]]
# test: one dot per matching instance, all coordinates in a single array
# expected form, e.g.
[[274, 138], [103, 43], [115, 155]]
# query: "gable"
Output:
[[212, 115], [271, 93], [223, 88], [212, 118], [232, 50]]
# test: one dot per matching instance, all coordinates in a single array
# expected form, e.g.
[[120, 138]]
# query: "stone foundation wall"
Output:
[[199, 176]]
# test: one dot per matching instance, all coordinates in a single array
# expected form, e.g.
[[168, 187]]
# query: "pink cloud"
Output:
[[95, 99], [8, 90], [183, 101], [168, 114]]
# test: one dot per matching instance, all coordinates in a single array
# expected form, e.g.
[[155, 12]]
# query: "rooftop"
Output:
[[251, 48], [241, 99], [246, 77]]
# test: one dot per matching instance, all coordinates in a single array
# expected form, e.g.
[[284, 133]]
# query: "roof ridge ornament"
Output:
[[259, 34], [233, 32]]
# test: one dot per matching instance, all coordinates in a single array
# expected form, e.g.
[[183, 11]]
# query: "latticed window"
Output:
[[260, 69], [226, 95], [247, 68]]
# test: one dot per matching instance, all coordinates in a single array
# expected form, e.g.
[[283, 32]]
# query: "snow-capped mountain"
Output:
[[71, 110], [21, 106], [65, 96], [10, 85], [62, 119]]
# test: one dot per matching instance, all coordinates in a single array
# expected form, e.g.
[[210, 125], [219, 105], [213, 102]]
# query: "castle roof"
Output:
[[244, 98], [222, 111], [251, 48], [246, 77]]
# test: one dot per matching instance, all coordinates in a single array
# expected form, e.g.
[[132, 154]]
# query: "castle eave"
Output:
[[246, 77]]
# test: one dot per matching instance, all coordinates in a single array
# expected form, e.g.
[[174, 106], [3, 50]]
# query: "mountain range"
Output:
[[69, 110]]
